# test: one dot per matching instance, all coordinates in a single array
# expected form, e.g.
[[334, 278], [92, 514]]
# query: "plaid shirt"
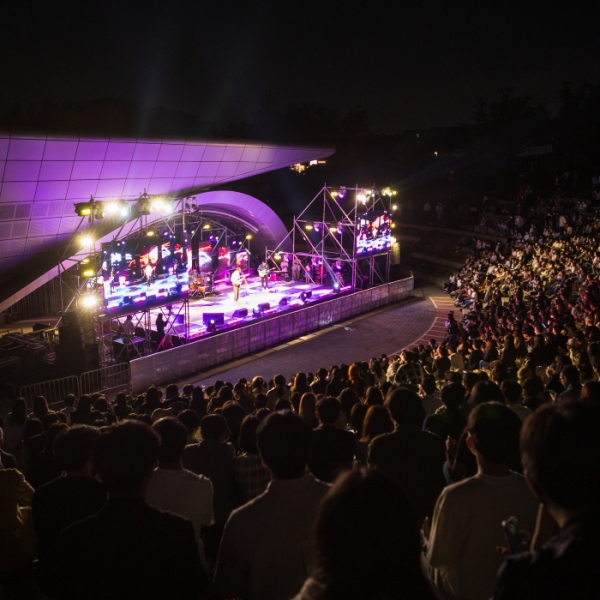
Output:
[[250, 476], [410, 373]]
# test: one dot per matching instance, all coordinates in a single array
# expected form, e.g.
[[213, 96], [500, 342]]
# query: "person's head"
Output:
[[367, 540], [560, 446], [213, 428], [469, 380], [569, 376], [485, 391], [18, 412], [493, 433], [453, 395], [348, 399], [283, 440], [357, 417], [329, 410], [308, 407], [69, 400], [73, 447], [374, 396], [591, 391], [247, 439], [125, 456], [405, 407], [377, 421], [190, 420], [40, 407], [321, 373], [173, 439], [172, 391], [428, 385], [512, 391]]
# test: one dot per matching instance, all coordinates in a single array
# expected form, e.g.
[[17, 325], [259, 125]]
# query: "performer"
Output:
[[264, 272], [236, 280], [160, 326], [148, 272]]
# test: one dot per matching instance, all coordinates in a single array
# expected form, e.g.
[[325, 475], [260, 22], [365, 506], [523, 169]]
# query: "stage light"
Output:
[[333, 229], [393, 225], [99, 214], [277, 256], [86, 241], [89, 301], [317, 228], [109, 208], [342, 193], [212, 325], [87, 268], [334, 194], [394, 207], [124, 209], [308, 226], [361, 197], [150, 233], [84, 209], [336, 286], [393, 240], [248, 236]]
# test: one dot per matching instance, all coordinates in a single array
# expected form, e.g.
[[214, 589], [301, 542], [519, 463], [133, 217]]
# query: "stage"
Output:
[[190, 318]]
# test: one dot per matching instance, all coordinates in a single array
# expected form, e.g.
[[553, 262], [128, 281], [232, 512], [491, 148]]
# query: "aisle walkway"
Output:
[[386, 331]]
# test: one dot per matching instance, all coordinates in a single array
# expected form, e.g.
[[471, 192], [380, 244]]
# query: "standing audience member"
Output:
[[175, 489], [561, 455], [467, 522], [265, 552], [72, 497], [364, 552], [331, 449], [413, 457], [129, 549]]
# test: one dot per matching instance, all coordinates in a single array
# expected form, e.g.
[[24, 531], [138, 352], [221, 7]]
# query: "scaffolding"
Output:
[[324, 247]]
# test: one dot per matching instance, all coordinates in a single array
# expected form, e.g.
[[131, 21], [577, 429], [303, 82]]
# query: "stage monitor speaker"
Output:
[[284, 301], [180, 319], [264, 306], [218, 318], [240, 313]]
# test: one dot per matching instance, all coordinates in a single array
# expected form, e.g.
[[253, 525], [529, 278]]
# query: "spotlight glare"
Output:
[[249, 236], [86, 240], [89, 301]]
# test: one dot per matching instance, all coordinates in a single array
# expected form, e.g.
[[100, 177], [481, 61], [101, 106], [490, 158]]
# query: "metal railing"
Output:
[[113, 377], [54, 390], [108, 378]]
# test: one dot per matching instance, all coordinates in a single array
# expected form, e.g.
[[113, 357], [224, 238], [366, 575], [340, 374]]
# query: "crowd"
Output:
[[400, 477]]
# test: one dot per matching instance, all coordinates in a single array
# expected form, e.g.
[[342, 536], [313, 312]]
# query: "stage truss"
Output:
[[329, 239]]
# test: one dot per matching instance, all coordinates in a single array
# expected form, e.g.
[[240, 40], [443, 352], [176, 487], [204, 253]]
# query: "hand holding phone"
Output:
[[511, 531]]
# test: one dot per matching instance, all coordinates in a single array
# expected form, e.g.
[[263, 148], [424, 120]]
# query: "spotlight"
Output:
[[99, 210], [248, 236], [89, 301], [124, 209], [394, 207], [336, 286], [87, 268], [206, 226], [308, 226], [317, 228], [86, 240], [84, 209], [212, 325], [333, 229], [150, 233], [110, 208], [342, 193], [144, 204]]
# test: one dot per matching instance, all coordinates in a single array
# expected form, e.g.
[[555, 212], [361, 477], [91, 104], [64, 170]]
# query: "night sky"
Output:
[[410, 64]]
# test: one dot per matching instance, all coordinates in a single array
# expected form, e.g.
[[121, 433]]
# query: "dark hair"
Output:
[[69, 400], [283, 404], [512, 391], [329, 409], [247, 439], [368, 552], [495, 429], [560, 445], [374, 396], [173, 438], [405, 407], [453, 395], [18, 414], [428, 385], [190, 420], [357, 417], [73, 447], [377, 421], [485, 391], [40, 407], [124, 455], [283, 440], [212, 427]]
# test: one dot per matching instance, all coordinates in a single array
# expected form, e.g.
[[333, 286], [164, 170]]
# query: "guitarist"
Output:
[[264, 272]]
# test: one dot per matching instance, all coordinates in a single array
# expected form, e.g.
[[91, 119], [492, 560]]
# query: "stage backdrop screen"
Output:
[[373, 233]]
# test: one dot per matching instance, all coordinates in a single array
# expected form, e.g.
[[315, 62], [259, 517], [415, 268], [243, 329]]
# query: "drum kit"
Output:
[[201, 285]]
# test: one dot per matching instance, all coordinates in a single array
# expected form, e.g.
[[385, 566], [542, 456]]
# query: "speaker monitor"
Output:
[[180, 319], [264, 306], [240, 313], [218, 318]]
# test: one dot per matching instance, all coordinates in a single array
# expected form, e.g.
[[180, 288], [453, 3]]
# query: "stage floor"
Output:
[[251, 296]]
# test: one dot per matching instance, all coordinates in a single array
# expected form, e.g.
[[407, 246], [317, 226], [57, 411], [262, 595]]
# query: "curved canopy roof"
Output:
[[42, 177]]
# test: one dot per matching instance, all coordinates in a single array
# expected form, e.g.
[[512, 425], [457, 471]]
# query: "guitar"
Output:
[[264, 271]]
